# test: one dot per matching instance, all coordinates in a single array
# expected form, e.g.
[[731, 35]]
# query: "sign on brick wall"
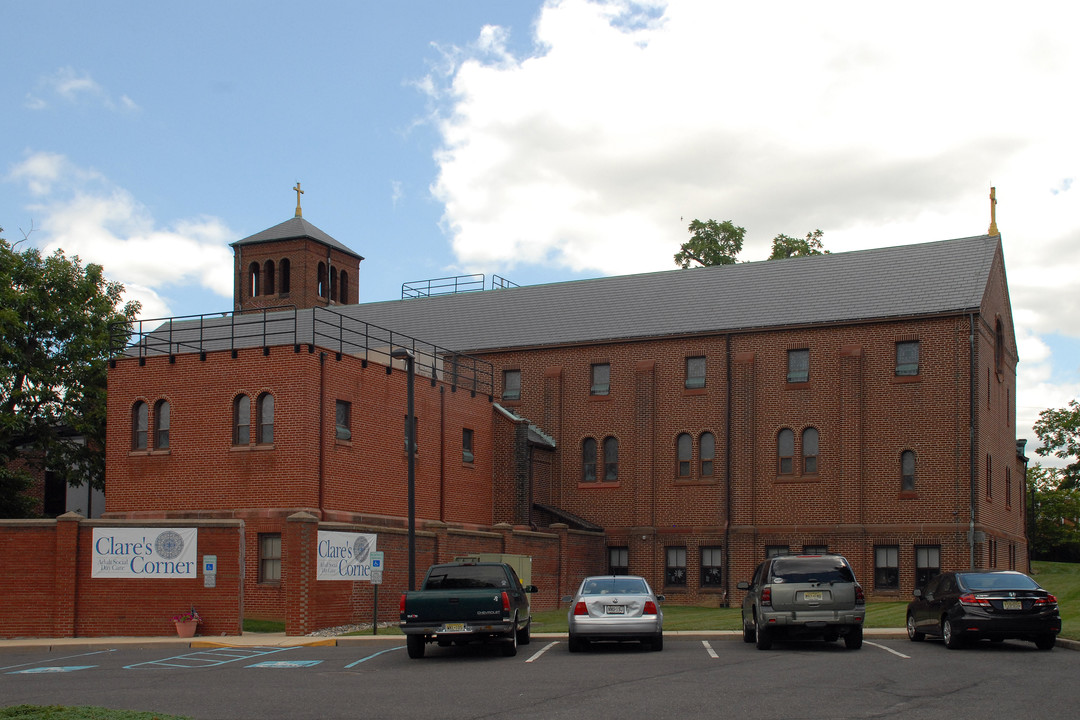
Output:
[[345, 556], [145, 553]]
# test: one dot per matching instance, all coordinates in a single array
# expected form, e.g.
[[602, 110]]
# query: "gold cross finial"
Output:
[[299, 192], [993, 213]]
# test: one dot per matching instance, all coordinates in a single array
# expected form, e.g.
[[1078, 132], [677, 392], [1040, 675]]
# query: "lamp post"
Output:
[[410, 452]]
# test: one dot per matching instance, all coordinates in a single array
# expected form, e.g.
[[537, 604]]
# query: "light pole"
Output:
[[410, 450]]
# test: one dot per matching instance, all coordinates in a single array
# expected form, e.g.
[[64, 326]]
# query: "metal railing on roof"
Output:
[[452, 285], [318, 327]]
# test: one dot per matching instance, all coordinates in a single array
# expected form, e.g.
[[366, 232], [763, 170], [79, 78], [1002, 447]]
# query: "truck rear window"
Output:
[[466, 577]]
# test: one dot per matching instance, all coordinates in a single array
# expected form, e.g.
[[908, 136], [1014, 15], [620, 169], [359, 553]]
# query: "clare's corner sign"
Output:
[[145, 553], [345, 556]]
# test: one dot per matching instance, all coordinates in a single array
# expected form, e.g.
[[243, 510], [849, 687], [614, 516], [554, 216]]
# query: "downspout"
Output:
[[322, 440], [727, 471], [442, 453], [972, 377]]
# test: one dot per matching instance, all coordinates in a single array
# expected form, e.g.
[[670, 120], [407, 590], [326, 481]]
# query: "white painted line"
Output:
[[67, 657], [544, 650], [375, 655], [708, 648], [898, 654]]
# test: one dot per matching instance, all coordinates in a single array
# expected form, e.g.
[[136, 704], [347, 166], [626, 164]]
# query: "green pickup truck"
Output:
[[461, 602]]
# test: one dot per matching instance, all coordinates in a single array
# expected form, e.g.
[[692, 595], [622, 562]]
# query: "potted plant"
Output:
[[186, 623]]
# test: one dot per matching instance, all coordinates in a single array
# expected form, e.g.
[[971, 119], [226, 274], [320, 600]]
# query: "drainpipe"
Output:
[[442, 452], [972, 377], [322, 440], [727, 471]]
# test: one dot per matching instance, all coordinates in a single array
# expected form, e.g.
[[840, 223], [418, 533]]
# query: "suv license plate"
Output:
[[454, 627], [814, 595], [616, 610], [1012, 605]]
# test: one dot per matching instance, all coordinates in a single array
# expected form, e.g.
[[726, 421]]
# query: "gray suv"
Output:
[[803, 596]]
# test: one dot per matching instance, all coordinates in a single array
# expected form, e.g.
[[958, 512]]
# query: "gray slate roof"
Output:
[[909, 280], [294, 227]]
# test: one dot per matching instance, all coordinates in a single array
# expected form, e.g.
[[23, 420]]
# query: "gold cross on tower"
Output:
[[993, 230], [299, 192]]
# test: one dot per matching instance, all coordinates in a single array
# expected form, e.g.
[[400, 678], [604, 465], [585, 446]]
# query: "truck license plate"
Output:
[[616, 610], [1012, 605], [812, 596], [454, 627]]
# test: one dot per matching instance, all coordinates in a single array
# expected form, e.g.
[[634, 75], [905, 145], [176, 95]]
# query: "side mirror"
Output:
[[742, 585], [531, 589], [660, 598], [917, 592], [567, 598]]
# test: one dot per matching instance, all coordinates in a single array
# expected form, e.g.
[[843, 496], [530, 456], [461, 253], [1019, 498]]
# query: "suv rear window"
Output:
[[804, 570]]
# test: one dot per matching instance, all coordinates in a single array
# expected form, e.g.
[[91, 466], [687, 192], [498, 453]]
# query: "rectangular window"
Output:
[[772, 551], [618, 561], [927, 564], [601, 379], [1008, 486], [466, 445], [269, 557], [695, 372], [798, 366], [343, 420], [711, 567], [675, 570], [907, 358], [887, 567], [511, 385], [815, 549], [989, 477]]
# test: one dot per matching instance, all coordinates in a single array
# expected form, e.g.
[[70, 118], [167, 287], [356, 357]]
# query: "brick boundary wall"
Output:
[[45, 570]]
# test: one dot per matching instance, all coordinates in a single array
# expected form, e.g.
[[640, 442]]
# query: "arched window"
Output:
[[999, 346], [161, 425], [343, 287], [684, 446], [588, 460], [320, 280], [810, 451], [241, 420], [707, 448], [265, 412], [907, 471], [268, 277], [139, 420], [283, 268], [611, 459], [253, 278], [785, 452]]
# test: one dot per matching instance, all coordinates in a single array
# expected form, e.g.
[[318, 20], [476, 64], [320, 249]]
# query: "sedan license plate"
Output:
[[813, 596], [454, 627], [1012, 605], [616, 610]]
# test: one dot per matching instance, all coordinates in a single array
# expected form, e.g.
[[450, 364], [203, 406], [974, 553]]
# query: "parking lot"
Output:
[[693, 676]]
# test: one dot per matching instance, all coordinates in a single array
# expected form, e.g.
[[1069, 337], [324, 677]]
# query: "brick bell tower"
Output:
[[293, 264]]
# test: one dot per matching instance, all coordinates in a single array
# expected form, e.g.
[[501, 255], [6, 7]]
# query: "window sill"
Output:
[[343, 443], [510, 402], [695, 391], [264, 446], [804, 385], [269, 583], [467, 464], [907, 495], [597, 485], [905, 379], [793, 479], [685, 481], [599, 398]]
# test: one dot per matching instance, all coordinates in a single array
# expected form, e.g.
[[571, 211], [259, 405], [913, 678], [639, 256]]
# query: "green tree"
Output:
[[784, 246], [711, 243], [1055, 512], [54, 343], [1059, 433]]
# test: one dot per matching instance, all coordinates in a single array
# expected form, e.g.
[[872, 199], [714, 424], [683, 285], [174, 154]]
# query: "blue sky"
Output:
[[545, 141]]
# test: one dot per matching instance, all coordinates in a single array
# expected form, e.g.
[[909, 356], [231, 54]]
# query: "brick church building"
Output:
[[691, 422]]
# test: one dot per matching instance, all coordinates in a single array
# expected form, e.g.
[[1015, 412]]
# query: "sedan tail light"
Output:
[[766, 596], [1046, 601], [650, 608], [580, 608], [974, 600]]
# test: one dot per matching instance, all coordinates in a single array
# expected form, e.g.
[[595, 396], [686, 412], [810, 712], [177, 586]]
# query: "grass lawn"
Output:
[[59, 712]]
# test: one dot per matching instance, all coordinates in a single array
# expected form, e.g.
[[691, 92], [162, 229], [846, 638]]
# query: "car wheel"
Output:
[[764, 637], [748, 633], [853, 638], [575, 644], [415, 645], [949, 635], [912, 634], [657, 642], [524, 636], [1046, 642], [509, 646]]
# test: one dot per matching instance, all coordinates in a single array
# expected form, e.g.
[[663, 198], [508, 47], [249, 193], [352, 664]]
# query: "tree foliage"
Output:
[[711, 243], [1059, 432], [1055, 512], [785, 246], [54, 343]]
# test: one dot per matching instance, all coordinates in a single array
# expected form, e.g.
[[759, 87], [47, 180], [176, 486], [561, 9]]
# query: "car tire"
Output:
[[853, 638], [574, 644], [415, 645], [510, 644], [749, 634], [1046, 642], [912, 634], [763, 637], [657, 642], [952, 639], [524, 636]]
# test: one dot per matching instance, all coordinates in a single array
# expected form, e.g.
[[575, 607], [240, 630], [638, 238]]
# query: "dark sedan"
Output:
[[991, 604]]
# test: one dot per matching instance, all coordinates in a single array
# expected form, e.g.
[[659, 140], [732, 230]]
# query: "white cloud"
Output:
[[75, 87], [81, 212]]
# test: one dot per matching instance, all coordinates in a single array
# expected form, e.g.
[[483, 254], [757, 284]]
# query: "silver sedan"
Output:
[[615, 607]]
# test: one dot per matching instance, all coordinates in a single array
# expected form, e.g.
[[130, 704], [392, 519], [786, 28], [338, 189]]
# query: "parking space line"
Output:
[[66, 657], [59, 669], [887, 649], [708, 648], [543, 650], [209, 658], [374, 655]]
